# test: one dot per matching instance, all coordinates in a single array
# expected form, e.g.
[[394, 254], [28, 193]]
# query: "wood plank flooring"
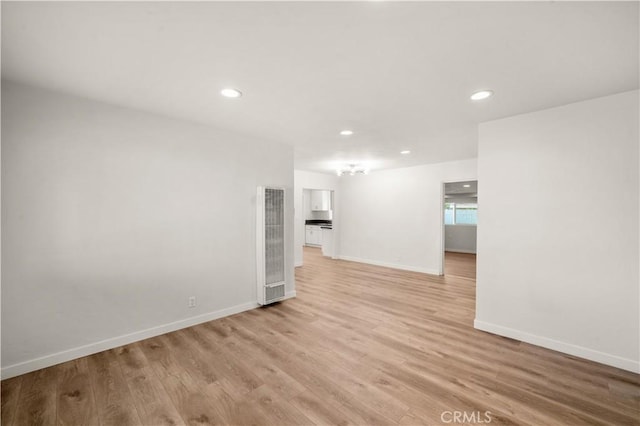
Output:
[[460, 264], [360, 345]]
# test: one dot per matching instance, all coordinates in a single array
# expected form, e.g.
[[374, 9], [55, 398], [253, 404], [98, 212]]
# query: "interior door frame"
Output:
[[332, 195], [442, 193]]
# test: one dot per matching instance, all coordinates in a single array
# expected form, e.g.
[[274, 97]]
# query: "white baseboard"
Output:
[[556, 345], [297, 264], [391, 265], [70, 354], [460, 251]]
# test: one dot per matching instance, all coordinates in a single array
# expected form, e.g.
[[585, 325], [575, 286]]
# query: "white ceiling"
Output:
[[458, 188], [398, 74]]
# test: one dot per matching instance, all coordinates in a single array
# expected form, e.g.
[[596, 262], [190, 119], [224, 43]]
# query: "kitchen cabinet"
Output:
[[313, 235], [320, 200], [327, 242]]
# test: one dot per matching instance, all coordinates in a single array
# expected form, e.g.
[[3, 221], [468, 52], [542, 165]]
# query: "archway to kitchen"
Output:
[[318, 207]]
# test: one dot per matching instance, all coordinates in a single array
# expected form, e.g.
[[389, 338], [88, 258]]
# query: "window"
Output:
[[460, 213], [449, 213]]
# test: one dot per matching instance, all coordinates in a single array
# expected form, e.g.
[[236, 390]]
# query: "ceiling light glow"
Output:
[[346, 132], [230, 93], [482, 94], [405, 152], [352, 170]]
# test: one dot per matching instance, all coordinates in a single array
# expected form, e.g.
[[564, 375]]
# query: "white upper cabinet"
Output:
[[320, 200]]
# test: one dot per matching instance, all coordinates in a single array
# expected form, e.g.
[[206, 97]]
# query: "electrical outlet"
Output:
[[192, 302]]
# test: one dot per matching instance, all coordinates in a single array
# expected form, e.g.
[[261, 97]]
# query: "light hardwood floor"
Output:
[[359, 345], [460, 264]]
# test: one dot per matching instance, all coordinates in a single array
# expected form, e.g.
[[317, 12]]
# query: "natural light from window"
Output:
[[460, 213]]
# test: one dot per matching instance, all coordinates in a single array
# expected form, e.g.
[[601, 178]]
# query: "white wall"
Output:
[[394, 217], [562, 272], [460, 238], [112, 218], [310, 180]]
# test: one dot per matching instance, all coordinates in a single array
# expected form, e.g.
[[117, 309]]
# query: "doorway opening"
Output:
[[459, 228], [318, 220]]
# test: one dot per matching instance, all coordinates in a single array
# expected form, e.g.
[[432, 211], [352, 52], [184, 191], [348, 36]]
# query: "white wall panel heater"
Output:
[[270, 245]]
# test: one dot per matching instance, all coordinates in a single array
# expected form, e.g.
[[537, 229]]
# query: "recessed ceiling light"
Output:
[[346, 132], [482, 94], [230, 93], [467, 186], [405, 152]]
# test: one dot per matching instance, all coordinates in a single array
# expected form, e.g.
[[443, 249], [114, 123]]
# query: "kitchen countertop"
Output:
[[318, 222]]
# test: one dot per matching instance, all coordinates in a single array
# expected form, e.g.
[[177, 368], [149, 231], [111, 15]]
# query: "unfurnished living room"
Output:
[[320, 213]]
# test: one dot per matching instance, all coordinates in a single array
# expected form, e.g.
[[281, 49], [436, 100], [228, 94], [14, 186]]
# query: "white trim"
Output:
[[556, 345], [442, 228], [114, 342], [297, 264], [260, 245], [460, 251], [390, 265]]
